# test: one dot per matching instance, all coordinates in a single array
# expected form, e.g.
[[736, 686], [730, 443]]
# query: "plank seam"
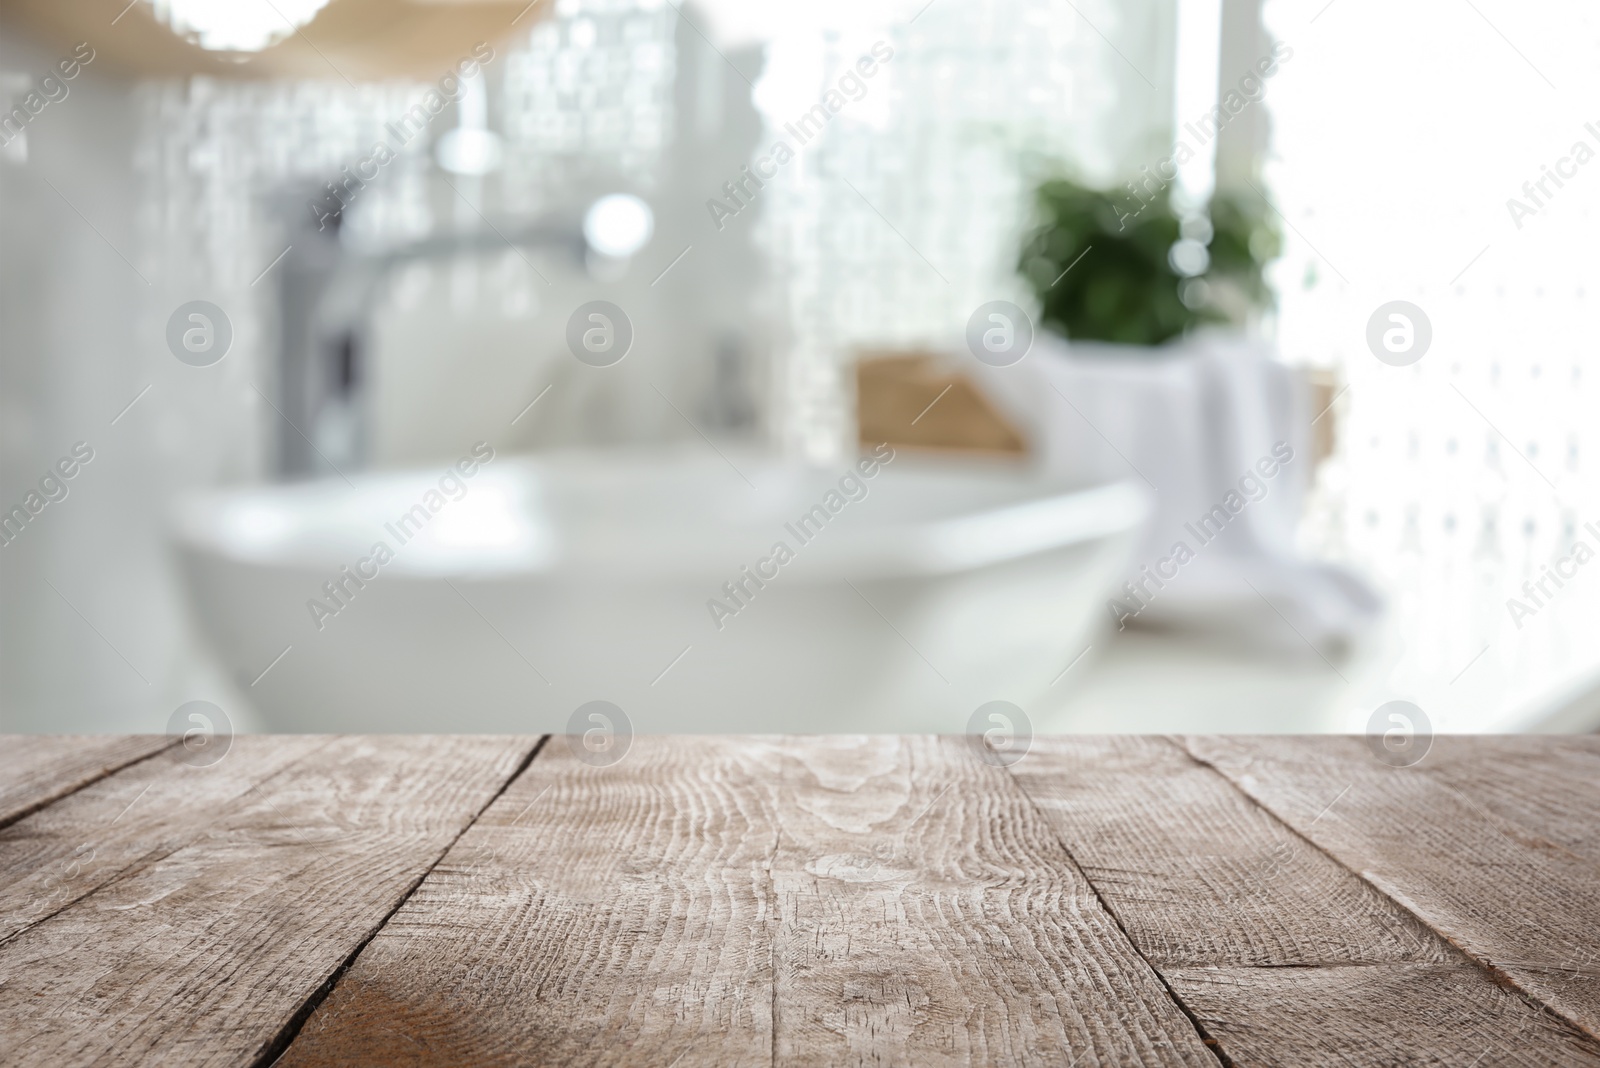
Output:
[[1211, 1044], [274, 1050], [152, 858], [149, 860], [46, 802], [1497, 976], [775, 920]]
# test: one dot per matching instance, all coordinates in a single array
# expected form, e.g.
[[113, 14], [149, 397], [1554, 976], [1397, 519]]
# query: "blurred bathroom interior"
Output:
[[541, 278]]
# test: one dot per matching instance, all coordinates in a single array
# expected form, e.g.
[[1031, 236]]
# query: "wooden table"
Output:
[[722, 901]]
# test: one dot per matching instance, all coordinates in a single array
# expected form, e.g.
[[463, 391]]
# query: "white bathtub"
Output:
[[576, 577]]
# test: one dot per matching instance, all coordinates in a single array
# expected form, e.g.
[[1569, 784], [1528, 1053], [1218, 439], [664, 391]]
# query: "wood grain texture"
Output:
[[715, 901], [207, 954], [1546, 783], [126, 821], [1391, 1014], [928, 915], [1200, 874], [37, 769], [1278, 950], [805, 901], [1511, 898], [593, 915]]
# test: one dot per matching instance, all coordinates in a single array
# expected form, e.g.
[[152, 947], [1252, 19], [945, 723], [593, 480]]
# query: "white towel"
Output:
[[1206, 423]]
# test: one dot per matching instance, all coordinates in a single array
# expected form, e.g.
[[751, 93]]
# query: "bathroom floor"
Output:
[[715, 900], [1146, 681]]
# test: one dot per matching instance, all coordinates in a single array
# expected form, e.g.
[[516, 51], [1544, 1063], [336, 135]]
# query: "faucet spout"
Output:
[[327, 297]]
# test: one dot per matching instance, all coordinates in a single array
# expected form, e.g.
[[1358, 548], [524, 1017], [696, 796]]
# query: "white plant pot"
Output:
[[1219, 429], [1190, 418]]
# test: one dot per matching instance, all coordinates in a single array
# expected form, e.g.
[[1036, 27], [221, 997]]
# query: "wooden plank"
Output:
[[594, 915], [714, 901], [1279, 952], [1546, 783], [1199, 874], [208, 954], [1391, 1014], [36, 769], [928, 915], [1515, 901], [126, 821]]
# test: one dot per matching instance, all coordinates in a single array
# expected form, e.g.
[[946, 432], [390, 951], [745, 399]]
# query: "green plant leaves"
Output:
[[1098, 263]]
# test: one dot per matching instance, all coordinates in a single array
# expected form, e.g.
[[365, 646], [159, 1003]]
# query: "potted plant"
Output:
[[1151, 364], [1124, 268]]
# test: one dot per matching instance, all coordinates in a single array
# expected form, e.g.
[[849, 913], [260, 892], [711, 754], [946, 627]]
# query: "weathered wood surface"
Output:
[[927, 914], [68, 850], [1546, 783], [1276, 949], [206, 955], [1496, 884], [593, 915], [36, 769], [810, 901], [714, 901]]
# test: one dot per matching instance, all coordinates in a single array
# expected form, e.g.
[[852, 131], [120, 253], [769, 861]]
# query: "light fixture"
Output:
[[234, 25], [618, 225], [469, 150]]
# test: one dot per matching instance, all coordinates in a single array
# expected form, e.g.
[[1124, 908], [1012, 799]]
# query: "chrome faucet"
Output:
[[326, 299]]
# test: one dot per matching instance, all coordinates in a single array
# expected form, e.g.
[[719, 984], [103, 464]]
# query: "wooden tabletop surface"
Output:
[[721, 901]]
